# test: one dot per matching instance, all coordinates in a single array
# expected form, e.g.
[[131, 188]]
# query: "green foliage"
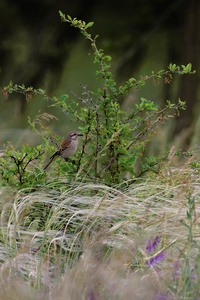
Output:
[[18, 168], [113, 139], [187, 271]]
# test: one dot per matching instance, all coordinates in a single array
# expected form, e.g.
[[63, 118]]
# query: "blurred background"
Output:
[[38, 50]]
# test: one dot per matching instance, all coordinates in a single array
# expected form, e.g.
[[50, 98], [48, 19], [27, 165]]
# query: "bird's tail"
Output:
[[51, 160]]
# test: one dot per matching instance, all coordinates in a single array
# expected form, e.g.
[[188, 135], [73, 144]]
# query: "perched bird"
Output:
[[67, 148]]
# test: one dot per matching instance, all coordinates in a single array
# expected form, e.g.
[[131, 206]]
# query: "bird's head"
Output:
[[74, 135]]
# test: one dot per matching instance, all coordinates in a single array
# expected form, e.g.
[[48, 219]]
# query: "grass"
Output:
[[96, 242]]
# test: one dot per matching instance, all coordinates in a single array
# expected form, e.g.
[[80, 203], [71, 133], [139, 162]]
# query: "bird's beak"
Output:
[[80, 134]]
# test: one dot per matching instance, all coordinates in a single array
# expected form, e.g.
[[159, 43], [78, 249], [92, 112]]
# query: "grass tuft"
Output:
[[96, 242]]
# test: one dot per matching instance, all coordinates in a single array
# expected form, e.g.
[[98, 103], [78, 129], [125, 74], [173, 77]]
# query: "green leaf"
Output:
[[131, 160], [69, 18], [64, 97], [90, 24], [41, 91], [61, 14]]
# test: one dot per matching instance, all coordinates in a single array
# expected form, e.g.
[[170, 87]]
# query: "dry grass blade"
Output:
[[99, 234]]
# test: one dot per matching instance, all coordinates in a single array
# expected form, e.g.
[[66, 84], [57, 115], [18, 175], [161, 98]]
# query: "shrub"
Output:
[[113, 139]]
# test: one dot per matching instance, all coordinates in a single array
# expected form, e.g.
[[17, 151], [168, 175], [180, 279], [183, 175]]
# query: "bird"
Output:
[[67, 148]]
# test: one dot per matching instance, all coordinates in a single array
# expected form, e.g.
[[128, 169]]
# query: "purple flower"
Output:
[[177, 267], [91, 296], [194, 277], [155, 259], [152, 244], [161, 297], [177, 270]]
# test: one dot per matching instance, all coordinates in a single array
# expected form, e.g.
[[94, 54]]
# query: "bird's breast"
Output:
[[71, 149]]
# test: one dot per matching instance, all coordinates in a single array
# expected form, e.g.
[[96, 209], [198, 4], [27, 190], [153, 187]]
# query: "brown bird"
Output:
[[67, 148]]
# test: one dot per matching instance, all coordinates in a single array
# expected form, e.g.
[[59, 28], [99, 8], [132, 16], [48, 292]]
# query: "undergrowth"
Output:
[[96, 241]]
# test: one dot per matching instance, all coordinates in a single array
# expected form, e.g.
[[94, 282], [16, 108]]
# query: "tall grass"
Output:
[[96, 242]]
